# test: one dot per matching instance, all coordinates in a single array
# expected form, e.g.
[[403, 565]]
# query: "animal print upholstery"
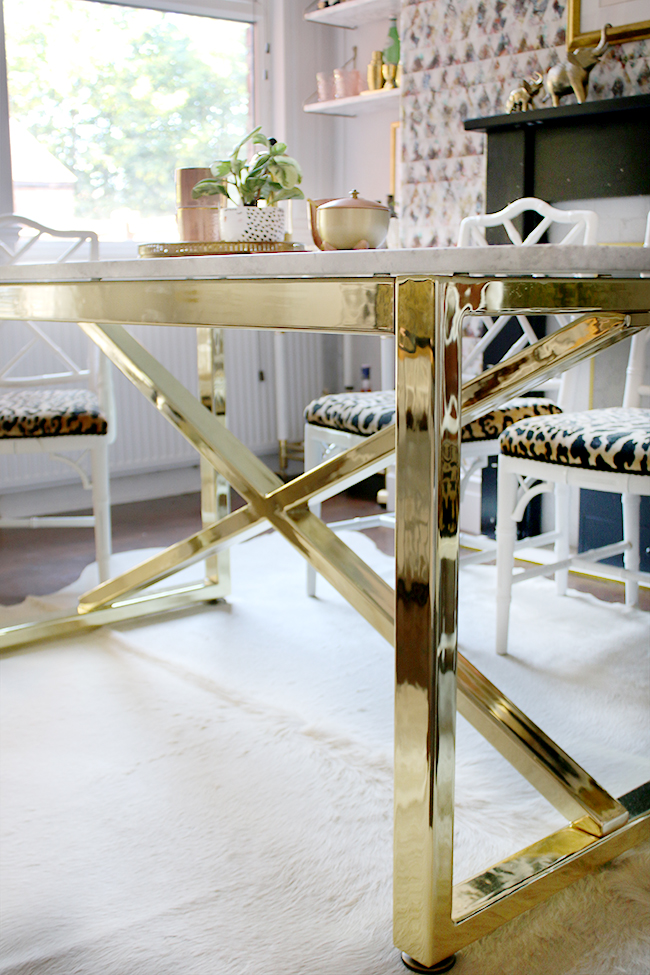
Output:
[[602, 440], [492, 424], [366, 413], [360, 413], [50, 413]]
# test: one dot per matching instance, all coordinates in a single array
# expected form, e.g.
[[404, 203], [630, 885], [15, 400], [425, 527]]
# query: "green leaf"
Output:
[[293, 194], [286, 171], [208, 187], [258, 162], [220, 168]]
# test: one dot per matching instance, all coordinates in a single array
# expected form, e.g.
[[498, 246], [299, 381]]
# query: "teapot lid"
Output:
[[353, 201]]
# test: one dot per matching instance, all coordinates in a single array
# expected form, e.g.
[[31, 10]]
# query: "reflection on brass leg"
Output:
[[549, 357], [215, 492], [426, 552], [282, 455], [507, 889]]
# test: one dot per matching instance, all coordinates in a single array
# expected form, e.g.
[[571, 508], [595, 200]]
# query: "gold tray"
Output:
[[192, 248]]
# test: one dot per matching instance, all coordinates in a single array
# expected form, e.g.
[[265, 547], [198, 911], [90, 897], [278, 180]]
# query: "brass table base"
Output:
[[433, 919]]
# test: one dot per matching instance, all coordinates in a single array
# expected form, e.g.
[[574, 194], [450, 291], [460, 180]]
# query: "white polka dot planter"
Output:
[[252, 223]]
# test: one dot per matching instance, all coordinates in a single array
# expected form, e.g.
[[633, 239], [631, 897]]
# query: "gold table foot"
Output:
[[440, 966]]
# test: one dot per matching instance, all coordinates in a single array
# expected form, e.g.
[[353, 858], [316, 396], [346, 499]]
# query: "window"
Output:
[[107, 100]]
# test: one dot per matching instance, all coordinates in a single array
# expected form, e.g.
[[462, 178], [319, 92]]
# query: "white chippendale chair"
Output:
[[336, 422], [49, 403], [602, 450]]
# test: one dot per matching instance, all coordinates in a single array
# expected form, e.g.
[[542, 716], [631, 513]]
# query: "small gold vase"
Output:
[[375, 76]]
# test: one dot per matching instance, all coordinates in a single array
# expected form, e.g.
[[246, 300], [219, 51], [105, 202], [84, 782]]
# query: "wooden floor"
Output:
[[40, 561]]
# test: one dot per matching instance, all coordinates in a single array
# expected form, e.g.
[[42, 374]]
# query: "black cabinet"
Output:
[[572, 152]]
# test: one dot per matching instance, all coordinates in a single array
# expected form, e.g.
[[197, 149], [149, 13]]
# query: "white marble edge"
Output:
[[549, 259]]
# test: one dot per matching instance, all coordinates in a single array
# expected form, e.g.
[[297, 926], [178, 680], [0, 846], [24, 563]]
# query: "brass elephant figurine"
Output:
[[521, 99], [572, 75]]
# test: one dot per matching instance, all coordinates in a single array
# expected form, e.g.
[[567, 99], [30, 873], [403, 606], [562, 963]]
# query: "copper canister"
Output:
[[197, 219]]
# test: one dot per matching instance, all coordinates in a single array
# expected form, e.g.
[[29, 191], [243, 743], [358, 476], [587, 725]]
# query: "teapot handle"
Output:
[[313, 225]]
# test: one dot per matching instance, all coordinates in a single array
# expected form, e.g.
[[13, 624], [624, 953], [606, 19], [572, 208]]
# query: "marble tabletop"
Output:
[[551, 259]]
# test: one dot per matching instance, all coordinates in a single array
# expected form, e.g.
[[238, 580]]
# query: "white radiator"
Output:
[[146, 442]]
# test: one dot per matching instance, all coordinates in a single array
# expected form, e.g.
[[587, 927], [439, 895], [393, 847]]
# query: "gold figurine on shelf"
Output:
[[521, 99], [572, 75], [384, 68], [375, 72], [389, 74]]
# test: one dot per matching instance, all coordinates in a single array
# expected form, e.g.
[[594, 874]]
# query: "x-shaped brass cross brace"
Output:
[[284, 506], [554, 773]]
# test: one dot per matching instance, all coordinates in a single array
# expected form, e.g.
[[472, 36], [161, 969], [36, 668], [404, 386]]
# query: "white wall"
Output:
[[351, 153]]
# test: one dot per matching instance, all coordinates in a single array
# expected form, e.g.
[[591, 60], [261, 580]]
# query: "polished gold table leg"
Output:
[[215, 491], [433, 919], [426, 553]]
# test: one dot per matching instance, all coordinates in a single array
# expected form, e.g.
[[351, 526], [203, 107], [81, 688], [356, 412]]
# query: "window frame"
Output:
[[253, 12]]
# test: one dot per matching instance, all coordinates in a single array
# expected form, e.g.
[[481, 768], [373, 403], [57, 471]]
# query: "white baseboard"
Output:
[[52, 499], [55, 499]]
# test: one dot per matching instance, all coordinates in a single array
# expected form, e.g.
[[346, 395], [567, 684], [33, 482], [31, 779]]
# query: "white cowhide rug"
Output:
[[212, 792]]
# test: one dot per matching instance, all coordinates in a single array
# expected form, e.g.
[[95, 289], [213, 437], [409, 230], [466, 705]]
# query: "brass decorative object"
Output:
[[375, 74], [352, 222], [389, 74], [521, 99], [572, 75], [200, 248]]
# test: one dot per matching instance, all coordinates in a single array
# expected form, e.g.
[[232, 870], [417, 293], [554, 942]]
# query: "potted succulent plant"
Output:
[[270, 176]]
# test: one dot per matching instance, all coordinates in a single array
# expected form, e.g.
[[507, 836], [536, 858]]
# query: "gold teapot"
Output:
[[351, 223]]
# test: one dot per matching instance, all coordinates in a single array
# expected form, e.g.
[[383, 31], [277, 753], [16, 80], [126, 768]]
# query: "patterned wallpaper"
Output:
[[461, 59]]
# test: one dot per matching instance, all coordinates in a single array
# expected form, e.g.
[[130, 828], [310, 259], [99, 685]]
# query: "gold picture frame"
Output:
[[578, 36], [395, 159]]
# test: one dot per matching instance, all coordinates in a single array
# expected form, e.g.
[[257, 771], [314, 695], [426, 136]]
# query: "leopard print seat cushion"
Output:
[[602, 440], [491, 425], [360, 413], [50, 413], [366, 413]]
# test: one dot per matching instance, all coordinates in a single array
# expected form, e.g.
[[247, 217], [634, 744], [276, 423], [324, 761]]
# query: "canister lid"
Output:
[[353, 201]]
